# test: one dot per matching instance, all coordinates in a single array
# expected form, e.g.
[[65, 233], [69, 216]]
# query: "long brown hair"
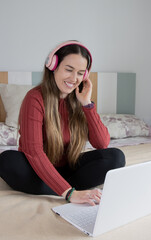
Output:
[[54, 146]]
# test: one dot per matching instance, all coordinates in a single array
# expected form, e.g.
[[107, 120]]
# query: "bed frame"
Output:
[[112, 92], [4, 78]]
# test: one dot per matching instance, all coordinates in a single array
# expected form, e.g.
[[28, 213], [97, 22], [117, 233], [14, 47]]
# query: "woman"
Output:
[[56, 119]]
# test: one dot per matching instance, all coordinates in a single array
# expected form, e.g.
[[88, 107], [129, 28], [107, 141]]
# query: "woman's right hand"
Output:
[[86, 196]]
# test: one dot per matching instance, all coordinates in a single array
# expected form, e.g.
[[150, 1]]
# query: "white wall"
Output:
[[117, 32]]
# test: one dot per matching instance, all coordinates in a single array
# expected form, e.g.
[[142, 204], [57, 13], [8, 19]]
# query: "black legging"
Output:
[[90, 170]]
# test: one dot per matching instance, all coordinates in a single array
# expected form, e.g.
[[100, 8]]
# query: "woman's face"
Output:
[[69, 74]]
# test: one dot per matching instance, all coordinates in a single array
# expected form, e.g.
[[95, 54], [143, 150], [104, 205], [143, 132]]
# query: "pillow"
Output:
[[12, 96], [125, 125], [8, 135]]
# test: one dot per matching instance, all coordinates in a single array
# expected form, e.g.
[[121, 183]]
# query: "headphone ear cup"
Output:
[[85, 76], [54, 62]]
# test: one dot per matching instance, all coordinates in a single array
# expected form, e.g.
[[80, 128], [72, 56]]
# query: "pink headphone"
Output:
[[52, 59]]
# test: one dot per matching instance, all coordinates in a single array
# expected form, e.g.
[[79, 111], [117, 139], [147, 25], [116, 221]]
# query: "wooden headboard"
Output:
[[112, 92], [33, 78]]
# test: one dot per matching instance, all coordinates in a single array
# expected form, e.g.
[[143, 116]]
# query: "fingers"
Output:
[[87, 84], [95, 196], [87, 81], [91, 197], [84, 96]]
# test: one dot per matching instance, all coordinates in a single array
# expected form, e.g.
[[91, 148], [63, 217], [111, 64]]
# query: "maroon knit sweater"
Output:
[[32, 136]]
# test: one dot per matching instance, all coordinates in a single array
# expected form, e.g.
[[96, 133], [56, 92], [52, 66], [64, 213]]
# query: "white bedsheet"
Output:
[[124, 142], [25, 216], [113, 143]]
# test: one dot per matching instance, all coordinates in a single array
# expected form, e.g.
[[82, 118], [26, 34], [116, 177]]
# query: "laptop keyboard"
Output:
[[83, 217]]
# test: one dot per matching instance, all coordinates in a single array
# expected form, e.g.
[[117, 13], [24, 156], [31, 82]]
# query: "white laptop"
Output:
[[126, 196]]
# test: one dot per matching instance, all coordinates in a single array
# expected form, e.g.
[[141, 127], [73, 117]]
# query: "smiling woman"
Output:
[[56, 119], [69, 73]]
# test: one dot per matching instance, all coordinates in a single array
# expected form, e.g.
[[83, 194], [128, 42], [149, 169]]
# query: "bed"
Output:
[[24, 216]]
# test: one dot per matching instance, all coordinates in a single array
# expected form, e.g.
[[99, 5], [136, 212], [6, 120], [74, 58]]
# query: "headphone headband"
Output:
[[52, 59]]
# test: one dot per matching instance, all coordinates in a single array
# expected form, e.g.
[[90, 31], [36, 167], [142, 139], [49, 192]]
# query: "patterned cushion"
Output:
[[125, 125]]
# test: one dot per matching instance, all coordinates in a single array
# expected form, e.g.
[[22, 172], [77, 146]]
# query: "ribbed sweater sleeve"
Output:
[[31, 142], [98, 134]]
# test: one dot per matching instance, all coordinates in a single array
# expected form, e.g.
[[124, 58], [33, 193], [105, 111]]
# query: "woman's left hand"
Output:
[[84, 97]]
